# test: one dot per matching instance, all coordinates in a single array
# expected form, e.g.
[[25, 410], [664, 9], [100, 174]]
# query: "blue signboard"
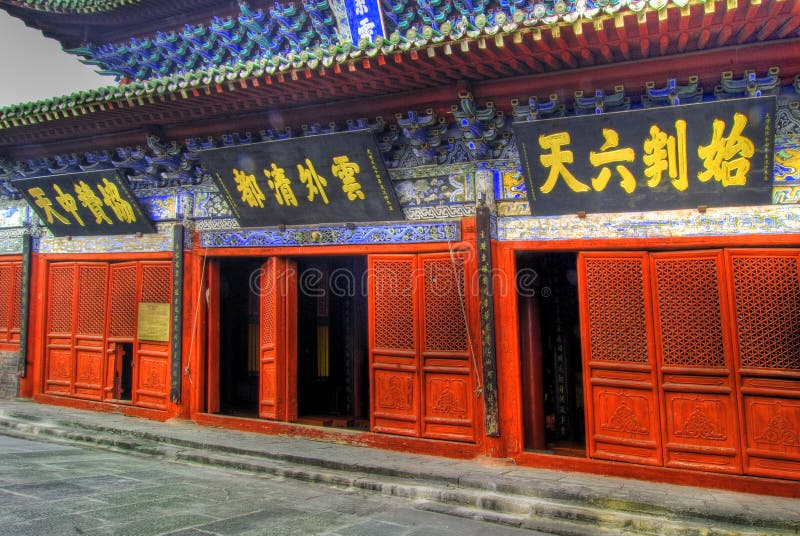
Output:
[[358, 19]]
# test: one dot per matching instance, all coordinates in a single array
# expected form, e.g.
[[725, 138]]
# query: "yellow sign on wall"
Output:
[[153, 324]]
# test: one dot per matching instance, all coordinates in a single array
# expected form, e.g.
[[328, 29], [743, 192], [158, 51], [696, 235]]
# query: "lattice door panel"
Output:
[[90, 328], [765, 289], [59, 346], [620, 383], [273, 290], [394, 343], [699, 406], [447, 386], [10, 300], [151, 358]]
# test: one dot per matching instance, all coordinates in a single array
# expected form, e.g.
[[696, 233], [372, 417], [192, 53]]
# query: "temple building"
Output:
[[563, 233]]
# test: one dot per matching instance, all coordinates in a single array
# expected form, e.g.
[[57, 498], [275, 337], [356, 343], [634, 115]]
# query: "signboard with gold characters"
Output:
[[90, 203], [714, 154], [329, 178]]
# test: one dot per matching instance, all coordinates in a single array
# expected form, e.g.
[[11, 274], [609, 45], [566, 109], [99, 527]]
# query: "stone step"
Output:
[[549, 509]]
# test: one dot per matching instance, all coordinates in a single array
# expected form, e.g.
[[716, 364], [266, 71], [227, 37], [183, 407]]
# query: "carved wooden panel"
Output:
[[394, 344], [447, 360], [152, 380], [620, 385], [765, 286], [700, 414]]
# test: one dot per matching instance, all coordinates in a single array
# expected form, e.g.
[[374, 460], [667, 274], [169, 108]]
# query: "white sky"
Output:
[[33, 67]]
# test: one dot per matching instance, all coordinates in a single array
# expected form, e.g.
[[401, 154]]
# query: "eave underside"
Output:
[[627, 51]]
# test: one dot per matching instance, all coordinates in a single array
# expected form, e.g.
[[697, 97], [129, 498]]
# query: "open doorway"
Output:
[[550, 349], [332, 368], [238, 337]]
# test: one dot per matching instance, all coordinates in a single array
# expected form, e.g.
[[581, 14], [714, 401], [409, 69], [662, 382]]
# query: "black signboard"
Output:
[[714, 154], [315, 179], [90, 203]]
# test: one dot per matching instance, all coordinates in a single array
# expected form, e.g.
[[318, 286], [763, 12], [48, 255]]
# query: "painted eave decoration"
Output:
[[292, 45]]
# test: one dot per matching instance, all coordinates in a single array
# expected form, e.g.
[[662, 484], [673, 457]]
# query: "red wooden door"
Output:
[[58, 344], [447, 360], [151, 359], [393, 344], [620, 384], [700, 421], [121, 322], [90, 329], [765, 290], [277, 396]]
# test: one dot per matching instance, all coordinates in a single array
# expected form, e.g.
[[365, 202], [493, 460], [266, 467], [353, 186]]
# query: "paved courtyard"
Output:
[[49, 489]]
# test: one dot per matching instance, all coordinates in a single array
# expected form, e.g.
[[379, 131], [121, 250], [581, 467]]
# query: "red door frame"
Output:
[[199, 354], [509, 371]]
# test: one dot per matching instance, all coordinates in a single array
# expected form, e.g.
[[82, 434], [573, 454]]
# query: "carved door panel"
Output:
[[58, 346], [277, 288], [151, 366], [620, 383], [393, 344], [447, 387], [700, 422], [90, 328], [121, 323], [765, 291]]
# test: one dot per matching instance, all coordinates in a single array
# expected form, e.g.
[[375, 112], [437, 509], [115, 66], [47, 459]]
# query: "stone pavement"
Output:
[[66, 490], [537, 499]]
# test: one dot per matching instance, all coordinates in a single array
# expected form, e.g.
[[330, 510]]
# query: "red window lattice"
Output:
[[123, 301], [16, 311], [92, 299], [445, 315], [156, 282], [689, 312], [7, 285], [616, 304], [268, 304], [394, 304], [60, 310], [767, 301]]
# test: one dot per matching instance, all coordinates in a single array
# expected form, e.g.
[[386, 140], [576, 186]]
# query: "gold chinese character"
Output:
[[315, 183], [346, 171], [89, 199], [625, 154], [67, 202], [44, 203], [280, 186], [556, 160], [667, 153], [122, 209], [718, 156], [251, 191]]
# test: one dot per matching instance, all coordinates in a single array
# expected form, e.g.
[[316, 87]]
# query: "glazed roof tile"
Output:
[[296, 42]]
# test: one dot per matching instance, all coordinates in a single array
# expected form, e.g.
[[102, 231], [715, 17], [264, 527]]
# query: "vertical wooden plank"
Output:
[[212, 333], [176, 350], [25, 300], [483, 226]]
